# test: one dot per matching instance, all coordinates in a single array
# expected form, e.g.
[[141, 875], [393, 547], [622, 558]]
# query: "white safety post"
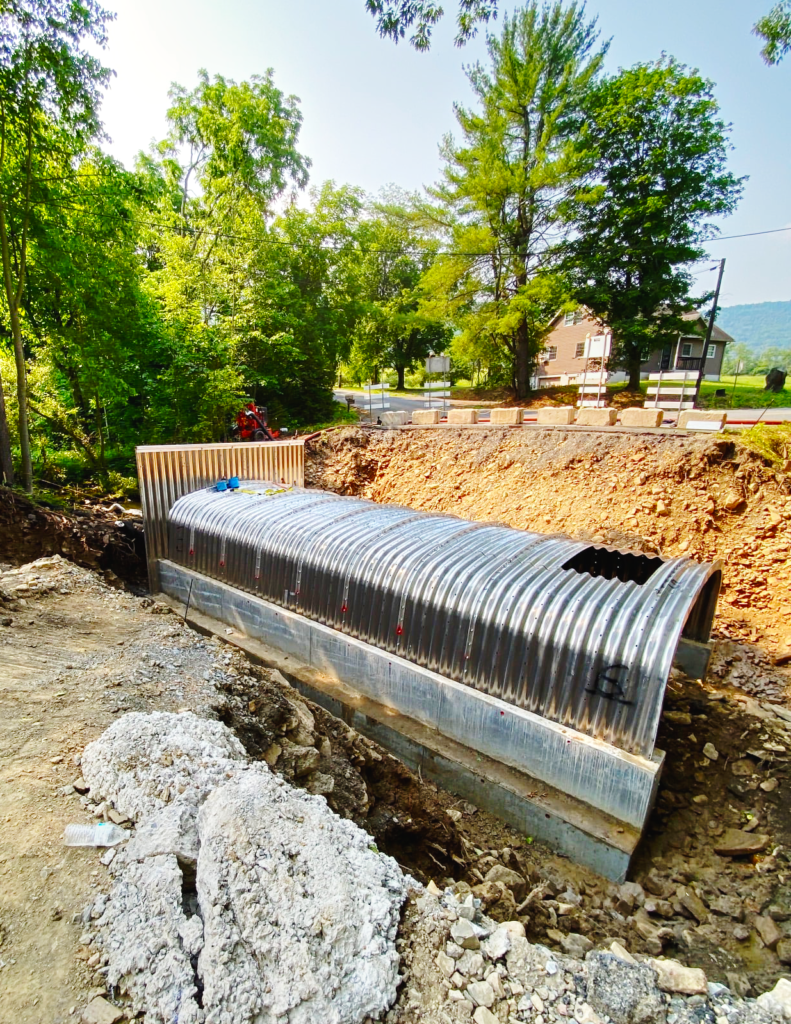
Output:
[[376, 398]]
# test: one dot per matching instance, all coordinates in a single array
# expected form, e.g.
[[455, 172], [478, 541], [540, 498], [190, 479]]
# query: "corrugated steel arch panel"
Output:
[[500, 610]]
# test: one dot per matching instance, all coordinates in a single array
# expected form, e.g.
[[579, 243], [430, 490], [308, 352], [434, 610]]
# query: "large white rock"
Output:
[[295, 914], [150, 940], [144, 762], [778, 1001], [300, 913]]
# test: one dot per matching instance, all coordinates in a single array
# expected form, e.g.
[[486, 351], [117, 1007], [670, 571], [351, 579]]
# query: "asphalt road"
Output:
[[402, 404]]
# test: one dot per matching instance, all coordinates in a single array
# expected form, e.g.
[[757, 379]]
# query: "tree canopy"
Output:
[[499, 200], [395, 18], [775, 30], [656, 151], [148, 305]]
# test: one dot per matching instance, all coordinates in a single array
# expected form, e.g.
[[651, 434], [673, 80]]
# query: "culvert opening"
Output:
[[611, 564]]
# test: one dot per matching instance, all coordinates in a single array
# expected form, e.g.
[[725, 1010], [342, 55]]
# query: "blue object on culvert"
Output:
[[233, 483], [221, 485]]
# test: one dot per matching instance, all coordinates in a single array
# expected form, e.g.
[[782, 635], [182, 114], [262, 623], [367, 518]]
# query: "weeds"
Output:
[[770, 443]]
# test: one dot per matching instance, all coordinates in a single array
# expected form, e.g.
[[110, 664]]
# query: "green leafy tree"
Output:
[[394, 18], [50, 86], [303, 305], [397, 330], [775, 30], [500, 200], [90, 328], [229, 155], [657, 153]]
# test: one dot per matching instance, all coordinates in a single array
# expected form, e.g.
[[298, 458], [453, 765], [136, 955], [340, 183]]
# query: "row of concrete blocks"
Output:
[[554, 415], [633, 416]]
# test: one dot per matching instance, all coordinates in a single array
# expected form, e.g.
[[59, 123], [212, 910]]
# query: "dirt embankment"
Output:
[[693, 496], [96, 537]]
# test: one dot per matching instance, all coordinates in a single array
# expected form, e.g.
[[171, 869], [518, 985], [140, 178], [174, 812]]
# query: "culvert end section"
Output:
[[581, 635]]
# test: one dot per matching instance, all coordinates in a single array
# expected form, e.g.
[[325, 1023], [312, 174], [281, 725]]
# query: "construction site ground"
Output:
[[78, 649]]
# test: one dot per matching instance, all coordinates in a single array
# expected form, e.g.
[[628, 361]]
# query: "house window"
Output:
[[550, 353], [710, 351], [570, 319], [579, 351], [686, 349]]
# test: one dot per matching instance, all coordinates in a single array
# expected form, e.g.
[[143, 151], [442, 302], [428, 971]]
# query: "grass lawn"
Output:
[[742, 393]]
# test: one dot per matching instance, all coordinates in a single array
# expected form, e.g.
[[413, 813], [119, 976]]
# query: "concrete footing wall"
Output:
[[595, 773]]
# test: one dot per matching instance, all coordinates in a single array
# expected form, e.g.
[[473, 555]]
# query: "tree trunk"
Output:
[[401, 370], [6, 463], [634, 375], [524, 362], [19, 358]]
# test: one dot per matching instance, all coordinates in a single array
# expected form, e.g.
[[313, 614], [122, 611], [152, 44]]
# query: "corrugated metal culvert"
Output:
[[582, 635]]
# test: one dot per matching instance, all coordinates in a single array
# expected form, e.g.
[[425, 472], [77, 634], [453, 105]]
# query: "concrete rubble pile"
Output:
[[239, 898], [461, 965]]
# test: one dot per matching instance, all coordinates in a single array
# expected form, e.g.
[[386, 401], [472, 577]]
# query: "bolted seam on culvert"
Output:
[[582, 635]]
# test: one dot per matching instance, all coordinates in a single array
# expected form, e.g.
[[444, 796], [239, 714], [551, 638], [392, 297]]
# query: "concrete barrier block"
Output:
[[462, 415], [634, 416], [507, 416], [423, 417], [689, 417], [597, 417], [555, 414], [392, 418]]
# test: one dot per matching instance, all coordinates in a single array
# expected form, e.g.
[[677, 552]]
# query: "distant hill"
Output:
[[759, 326]]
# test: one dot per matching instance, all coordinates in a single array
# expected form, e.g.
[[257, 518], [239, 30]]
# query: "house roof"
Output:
[[693, 317], [716, 335]]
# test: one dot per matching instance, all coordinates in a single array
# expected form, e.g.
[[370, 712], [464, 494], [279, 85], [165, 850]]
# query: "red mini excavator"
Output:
[[251, 424]]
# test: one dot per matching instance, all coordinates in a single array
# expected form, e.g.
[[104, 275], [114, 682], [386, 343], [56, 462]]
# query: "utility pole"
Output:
[[710, 327]]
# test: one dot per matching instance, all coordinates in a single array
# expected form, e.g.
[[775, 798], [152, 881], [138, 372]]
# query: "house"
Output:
[[578, 342]]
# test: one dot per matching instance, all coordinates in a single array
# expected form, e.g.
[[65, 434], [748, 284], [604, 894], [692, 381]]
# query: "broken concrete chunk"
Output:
[[270, 853], [625, 992], [778, 1001], [463, 934], [499, 942], [171, 830], [143, 761], [674, 977]]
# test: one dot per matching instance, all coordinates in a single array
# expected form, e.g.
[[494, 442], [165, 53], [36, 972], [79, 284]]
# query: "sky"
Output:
[[375, 113]]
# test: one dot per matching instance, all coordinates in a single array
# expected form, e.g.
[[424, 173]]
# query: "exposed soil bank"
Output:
[[94, 537], [696, 496]]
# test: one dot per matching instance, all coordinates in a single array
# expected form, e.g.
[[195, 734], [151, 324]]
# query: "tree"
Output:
[[394, 17], [50, 85], [396, 330], [89, 326], [657, 151], [500, 199], [230, 154], [775, 30]]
